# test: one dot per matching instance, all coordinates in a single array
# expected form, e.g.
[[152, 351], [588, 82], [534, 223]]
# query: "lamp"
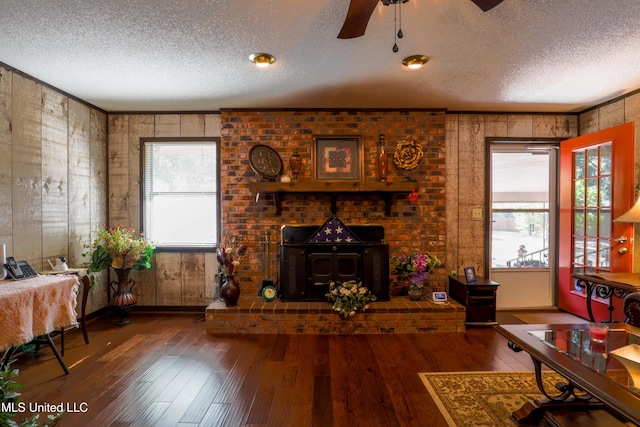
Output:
[[629, 356], [415, 61], [295, 162], [262, 59], [632, 215]]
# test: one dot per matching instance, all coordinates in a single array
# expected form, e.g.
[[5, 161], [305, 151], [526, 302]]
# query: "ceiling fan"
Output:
[[360, 11]]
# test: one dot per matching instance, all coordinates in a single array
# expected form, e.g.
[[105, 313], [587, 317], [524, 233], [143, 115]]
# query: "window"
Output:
[[180, 200]]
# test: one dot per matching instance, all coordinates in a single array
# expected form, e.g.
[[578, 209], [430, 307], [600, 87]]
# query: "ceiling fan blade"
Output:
[[357, 18], [486, 4]]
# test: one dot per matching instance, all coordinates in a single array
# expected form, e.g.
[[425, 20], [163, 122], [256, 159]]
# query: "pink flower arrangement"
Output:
[[415, 267]]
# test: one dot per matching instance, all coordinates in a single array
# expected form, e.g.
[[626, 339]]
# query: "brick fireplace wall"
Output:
[[411, 227]]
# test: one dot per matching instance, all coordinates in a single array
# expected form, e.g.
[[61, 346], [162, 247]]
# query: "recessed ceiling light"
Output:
[[262, 59], [415, 61]]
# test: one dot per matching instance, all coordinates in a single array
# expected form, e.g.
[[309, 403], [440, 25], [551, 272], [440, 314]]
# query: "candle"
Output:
[[598, 332]]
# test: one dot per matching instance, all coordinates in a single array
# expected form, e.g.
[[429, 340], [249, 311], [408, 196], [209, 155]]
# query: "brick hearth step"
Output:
[[398, 316]]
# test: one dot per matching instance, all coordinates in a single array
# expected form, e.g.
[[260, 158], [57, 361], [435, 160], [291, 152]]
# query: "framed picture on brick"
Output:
[[337, 158]]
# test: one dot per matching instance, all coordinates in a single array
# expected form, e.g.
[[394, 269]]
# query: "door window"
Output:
[[592, 209], [519, 208]]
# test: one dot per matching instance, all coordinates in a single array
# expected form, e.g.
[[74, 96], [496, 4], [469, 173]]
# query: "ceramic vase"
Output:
[[415, 294], [122, 299], [230, 291]]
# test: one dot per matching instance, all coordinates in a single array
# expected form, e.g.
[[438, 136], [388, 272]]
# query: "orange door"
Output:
[[596, 186]]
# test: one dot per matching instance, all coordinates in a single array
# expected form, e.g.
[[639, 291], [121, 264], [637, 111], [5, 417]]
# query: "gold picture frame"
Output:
[[337, 158]]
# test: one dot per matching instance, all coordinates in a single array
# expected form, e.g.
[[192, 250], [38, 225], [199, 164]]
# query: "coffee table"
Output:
[[594, 378]]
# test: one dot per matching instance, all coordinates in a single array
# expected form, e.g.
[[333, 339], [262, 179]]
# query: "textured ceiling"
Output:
[[192, 55]]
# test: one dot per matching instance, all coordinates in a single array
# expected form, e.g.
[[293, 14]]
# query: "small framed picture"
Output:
[[470, 274], [337, 158]]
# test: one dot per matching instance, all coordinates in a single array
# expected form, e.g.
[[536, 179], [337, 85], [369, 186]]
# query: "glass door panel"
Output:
[[592, 210], [522, 244]]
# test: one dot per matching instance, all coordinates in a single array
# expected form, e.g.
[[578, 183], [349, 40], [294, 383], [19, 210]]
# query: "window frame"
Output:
[[217, 142]]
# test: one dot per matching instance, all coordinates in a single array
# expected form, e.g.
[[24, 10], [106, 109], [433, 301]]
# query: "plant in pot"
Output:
[[415, 270], [123, 250]]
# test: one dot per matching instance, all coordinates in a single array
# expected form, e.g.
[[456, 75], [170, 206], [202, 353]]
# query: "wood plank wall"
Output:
[[53, 179], [178, 278], [611, 114], [465, 164], [52, 174]]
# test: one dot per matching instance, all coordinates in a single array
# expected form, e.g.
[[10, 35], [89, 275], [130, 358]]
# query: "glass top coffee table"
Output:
[[595, 371]]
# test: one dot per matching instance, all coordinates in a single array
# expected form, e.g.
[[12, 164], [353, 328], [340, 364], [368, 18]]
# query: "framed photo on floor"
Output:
[[337, 158]]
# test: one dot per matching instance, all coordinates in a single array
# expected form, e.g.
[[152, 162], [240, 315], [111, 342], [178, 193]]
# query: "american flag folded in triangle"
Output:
[[333, 231]]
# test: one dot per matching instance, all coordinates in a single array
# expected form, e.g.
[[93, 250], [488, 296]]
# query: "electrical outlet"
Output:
[[454, 273]]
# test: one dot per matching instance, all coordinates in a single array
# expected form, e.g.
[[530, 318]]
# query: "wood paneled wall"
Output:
[[466, 173], [178, 278], [53, 179], [53, 170], [611, 114]]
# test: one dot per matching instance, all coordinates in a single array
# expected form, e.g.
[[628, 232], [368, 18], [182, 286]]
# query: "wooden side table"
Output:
[[479, 299]]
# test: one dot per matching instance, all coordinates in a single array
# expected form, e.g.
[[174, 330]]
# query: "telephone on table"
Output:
[[19, 269]]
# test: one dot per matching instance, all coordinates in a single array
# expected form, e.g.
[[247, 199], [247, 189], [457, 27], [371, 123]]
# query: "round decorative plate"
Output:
[[408, 154], [265, 161]]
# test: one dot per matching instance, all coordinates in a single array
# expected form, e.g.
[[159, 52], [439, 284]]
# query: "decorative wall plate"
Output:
[[265, 161], [408, 154]]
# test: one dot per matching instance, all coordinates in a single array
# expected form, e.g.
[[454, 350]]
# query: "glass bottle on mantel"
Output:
[[383, 161]]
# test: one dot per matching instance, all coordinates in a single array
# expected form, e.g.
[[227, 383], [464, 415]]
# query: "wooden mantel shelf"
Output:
[[386, 190]]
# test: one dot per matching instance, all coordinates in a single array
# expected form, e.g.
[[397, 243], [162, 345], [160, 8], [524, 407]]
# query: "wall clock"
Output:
[[269, 293], [265, 161]]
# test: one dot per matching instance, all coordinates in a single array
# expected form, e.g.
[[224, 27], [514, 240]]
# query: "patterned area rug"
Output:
[[483, 398]]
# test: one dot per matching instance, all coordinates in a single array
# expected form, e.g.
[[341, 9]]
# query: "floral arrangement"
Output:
[[349, 297], [230, 252], [120, 247], [415, 267]]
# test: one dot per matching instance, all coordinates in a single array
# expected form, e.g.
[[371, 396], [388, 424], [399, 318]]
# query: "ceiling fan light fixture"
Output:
[[262, 59], [415, 61]]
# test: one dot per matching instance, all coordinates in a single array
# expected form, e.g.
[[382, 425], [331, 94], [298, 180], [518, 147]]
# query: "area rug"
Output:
[[548, 318], [483, 398]]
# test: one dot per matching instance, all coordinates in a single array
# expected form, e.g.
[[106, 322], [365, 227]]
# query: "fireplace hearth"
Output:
[[312, 256]]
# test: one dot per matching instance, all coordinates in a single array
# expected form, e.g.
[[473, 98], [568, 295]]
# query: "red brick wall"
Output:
[[411, 227]]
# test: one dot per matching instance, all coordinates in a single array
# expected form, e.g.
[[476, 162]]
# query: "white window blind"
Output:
[[180, 201]]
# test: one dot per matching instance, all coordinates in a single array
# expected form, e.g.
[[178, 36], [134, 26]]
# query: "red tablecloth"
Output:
[[36, 306]]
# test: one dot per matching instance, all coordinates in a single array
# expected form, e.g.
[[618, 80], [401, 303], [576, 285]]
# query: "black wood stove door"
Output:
[[325, 268]]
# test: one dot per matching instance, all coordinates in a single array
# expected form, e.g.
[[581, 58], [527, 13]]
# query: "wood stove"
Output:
[[308, 263]]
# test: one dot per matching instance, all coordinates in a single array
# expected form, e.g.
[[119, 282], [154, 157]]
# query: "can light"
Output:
[[262, 59], [415, 61]]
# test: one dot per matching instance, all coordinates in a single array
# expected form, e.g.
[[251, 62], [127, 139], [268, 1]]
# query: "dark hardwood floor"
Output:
[[164, 370]]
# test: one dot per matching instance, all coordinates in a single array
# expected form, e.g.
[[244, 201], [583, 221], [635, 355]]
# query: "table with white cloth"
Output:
[[30, 309]]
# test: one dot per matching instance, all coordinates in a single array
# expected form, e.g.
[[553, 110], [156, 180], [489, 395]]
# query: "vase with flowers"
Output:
[[415, 270], [349, 297], [123, 250], [230, 252]]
